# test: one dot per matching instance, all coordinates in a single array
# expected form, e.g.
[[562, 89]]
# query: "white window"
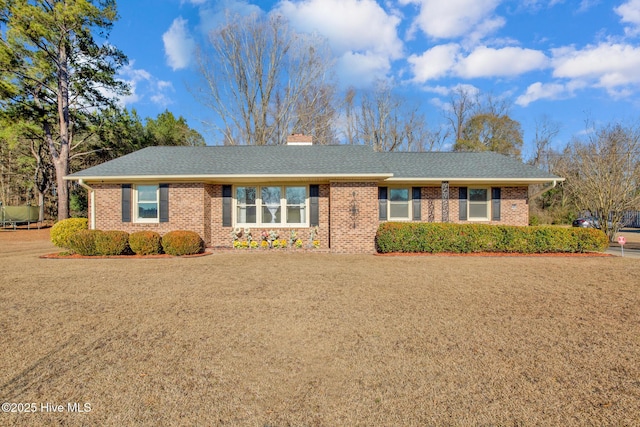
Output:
[[146, 203], [296, 199], [478, 204], [271, 206], [399, 204], [246, 198]]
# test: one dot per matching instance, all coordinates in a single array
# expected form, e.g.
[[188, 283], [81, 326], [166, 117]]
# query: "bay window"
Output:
[[271, 205]]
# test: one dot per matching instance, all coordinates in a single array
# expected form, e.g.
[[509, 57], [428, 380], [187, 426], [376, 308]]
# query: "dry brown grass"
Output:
[[315, 339]]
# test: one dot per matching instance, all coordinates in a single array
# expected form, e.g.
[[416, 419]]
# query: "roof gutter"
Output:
[[460, 180], [231, 177], [545, 189], [92, 203]]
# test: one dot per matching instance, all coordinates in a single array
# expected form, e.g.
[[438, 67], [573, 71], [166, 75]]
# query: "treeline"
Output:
[[27, 175]]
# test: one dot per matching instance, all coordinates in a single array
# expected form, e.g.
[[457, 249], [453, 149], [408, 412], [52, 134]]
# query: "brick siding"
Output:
[[348, 213], [354, 216], [221, 236], [186, 210]]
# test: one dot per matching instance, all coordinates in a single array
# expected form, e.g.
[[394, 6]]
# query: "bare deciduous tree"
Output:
[[603, 174], [546, 129], [387, 122], [263, 80]]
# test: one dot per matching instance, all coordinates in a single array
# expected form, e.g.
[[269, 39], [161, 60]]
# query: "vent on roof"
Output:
[[299, 139]]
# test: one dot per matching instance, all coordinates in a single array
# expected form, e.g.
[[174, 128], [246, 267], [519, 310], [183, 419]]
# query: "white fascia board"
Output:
[[232, 178], [453, 180]]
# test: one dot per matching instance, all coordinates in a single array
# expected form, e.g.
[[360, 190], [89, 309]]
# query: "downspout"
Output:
[[92, 204], [544, 190]]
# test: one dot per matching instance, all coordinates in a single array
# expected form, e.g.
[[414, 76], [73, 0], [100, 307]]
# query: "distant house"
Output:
[[345, 191]]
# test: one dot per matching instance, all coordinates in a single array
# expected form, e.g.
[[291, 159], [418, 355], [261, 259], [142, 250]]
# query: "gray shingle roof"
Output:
[[315, 160], [241, 160], [444, 165]]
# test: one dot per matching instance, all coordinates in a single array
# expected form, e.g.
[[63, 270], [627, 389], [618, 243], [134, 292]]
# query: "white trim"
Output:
[[92, 204], [471, 181], [487, 203], [135, 218], [231, 177], [283, 207], [409, 216]]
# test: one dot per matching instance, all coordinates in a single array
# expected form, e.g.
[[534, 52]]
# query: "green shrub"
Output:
[[63, 230], [182, 242], [83, 242], [112, 243], [466, 238], [145, 243]]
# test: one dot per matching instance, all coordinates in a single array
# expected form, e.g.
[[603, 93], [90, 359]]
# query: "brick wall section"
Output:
[[221, 236], [185, 210], [353, 233], [514, 208], [198, 207]]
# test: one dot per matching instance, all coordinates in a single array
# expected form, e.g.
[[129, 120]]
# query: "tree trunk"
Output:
[[62, 187], [40, 206], [61, 160]]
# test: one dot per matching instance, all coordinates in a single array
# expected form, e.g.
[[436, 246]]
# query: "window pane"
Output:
[[147, 210], [296, 215], [478, 210], [246, 195], [147, 193], [296, 195], [399, 194], [271, 214], [399, 210], [271, 195], [247, 214], [478, 194]]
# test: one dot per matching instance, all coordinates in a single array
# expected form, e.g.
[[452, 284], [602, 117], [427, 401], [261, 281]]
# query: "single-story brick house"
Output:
[[345, 191]]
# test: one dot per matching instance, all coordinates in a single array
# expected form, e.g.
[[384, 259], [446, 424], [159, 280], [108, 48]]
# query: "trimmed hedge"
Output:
[[83, 242], [182, 242], [63, 230], [467, 238], [112, 242], [145, 243]]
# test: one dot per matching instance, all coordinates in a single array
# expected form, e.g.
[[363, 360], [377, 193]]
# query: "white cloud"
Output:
[[456, 18], [539, 90], [447, 60], [217, 16], [348, 25], [607, 65], [505, 62], [179, 46], [143, 85], [360, 32], [434, 63], [362, 69], [630, 13]]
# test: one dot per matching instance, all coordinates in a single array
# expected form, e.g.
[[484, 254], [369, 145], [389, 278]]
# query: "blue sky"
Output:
[[569, 59]]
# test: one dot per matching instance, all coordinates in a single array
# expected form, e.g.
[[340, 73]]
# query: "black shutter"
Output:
[[164, 202], [314, 208], [495, 204], [417, 211], [226, 206], [126, 203], [382, 203], [462, 203]]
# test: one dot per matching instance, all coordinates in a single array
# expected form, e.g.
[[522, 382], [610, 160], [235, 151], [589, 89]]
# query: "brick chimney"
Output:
[[299, 139]]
